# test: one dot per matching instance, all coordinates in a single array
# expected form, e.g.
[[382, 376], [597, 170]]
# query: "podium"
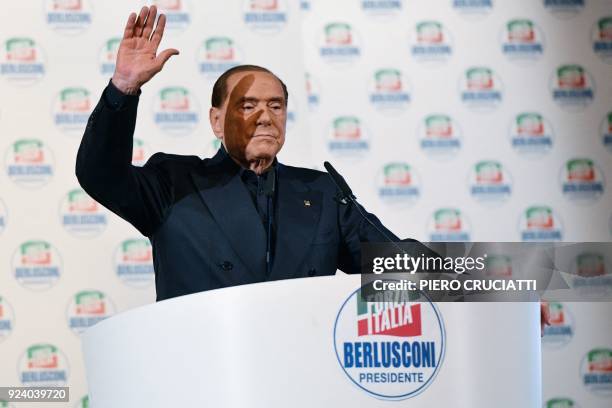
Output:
[[293, 343]]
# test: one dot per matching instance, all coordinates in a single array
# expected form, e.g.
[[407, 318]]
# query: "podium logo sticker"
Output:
[[87, 308], [572, 87], [178, 13], [3, 216], [381, 9], [473, 8], [68, 16], [596, 371], [522, 40], [398, 183], [339, 44], [71, 110], [348, 137], [432, 44], [531, 134], [37, 265], [313, 92], [43, 365], [176, 111], [490, 182], [22, 61], [481, 89], [540, 223], [561, 329], [389, 91], [582, 180], [81, 215], [134, 262], [561, 403], [448, 224], [602, 39], [564, 8], [391, 348], [265, 16], [108, 56], [29, 163], [216, 55], [440, 136], [7, 319]]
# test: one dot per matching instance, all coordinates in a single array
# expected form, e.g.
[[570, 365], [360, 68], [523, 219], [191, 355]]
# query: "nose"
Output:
[[264, 118]]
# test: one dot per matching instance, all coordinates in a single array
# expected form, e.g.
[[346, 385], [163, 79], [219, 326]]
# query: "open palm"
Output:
[[137, 58]]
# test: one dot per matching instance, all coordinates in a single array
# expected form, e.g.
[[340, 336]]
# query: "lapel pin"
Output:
[[306, 203]]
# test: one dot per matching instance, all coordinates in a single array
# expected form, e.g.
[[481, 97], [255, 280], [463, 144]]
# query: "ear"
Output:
[[216, 122]]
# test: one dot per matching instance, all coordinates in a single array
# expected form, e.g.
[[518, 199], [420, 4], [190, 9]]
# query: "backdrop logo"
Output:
[[522, 40], [108, 56], [448, 224], [216, 55], [481, 88], [348, 137], [498, 266], [582, 180], [178, 16], [561, 329], [561, 403], [381, 8], [490, 182], [3, 216], [391, 348], [68, 16], [440, 136], [81, 215], [589, 274], [564, 8], [176, 111], [602, 39], [22, 61], [43, 365], [432, 43], [339, 44], [596, 371], [7, 319], [473, 7], [572, 87], [140, 152], [540, 223], [398, 183], [313, 92], [606, 131], [36, 265], [389, 91], [265, 16], [71, 110], [134, 262], [87, 308], [29, 163], [531, 134]]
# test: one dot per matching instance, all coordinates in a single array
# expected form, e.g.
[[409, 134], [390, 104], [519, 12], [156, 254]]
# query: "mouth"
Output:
[[264, 135]]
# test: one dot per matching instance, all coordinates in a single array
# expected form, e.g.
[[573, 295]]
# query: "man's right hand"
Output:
[[137, 61]]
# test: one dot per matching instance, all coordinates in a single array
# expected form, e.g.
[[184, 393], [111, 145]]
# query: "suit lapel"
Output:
[[298, 212], [224, 194]]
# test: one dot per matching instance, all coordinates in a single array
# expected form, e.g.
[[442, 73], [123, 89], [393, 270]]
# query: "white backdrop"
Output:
[[452, 120]]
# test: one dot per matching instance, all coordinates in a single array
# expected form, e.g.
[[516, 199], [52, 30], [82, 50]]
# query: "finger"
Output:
[[140, 21], [148, 28], [159, 31], [165, 56], [129, 27]]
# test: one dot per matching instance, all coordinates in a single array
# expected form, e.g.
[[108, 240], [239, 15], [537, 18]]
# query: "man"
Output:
[[239, 217]]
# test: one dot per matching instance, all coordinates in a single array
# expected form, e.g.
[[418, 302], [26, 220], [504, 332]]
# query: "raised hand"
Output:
[[137, 58]]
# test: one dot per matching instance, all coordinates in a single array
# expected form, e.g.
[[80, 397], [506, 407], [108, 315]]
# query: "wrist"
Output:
[[125, 86]]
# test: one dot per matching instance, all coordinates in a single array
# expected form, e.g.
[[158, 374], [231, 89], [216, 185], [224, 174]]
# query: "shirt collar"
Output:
[[244, 172]]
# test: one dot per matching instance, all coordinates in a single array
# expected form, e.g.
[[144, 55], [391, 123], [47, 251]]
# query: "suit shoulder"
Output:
[[172, 161]]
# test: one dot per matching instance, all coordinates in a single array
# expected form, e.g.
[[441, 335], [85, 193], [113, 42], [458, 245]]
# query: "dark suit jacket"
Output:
[[203, 226]]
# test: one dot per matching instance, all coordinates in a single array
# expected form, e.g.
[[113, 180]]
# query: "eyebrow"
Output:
[[251, 99]]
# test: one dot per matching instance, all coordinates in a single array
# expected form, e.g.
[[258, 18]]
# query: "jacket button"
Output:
[[312, 272], [226, 265]]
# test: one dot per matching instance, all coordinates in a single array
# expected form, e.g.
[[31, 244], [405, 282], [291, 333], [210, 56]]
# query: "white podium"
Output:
[[281, 344]]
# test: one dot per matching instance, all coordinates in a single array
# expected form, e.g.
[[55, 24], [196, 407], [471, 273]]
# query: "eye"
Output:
[[276, 107], [248, 106]]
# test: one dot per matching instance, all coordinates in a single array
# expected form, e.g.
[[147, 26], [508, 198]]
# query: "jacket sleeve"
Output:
[[140, 195], [355, 229]]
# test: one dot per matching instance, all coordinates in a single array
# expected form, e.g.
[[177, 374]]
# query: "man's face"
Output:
[[253, 118]]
